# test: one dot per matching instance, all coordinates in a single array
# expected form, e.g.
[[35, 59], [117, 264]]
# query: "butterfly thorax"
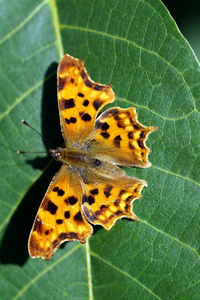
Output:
[[72, 156], [83, 159]]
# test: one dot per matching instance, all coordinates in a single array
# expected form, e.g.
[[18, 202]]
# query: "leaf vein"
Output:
[[89, 30], [26, 20], [39, 275], [169, 236], [126, 274]]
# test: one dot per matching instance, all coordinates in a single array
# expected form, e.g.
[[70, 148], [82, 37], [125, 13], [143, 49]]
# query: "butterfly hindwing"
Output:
[[120, 138], [60, 216], [107, 199]]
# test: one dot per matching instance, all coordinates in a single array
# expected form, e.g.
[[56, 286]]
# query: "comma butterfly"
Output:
[[89, 188]]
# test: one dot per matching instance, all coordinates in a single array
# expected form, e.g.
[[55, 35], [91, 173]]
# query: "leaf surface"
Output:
[[136, 46]]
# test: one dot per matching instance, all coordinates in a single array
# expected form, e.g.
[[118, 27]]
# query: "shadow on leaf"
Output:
[[14, 244]]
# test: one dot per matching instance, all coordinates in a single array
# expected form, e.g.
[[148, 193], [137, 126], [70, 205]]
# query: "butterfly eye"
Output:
[[96, 162]]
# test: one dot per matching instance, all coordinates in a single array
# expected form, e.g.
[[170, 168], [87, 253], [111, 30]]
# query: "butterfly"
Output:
[[89, 188]]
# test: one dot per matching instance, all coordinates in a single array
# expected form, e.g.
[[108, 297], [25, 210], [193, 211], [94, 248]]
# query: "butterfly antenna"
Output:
[[27, 124], [25, 152]]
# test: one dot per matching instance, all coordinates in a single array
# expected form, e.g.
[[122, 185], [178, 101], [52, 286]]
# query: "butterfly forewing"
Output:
[[79, 100]]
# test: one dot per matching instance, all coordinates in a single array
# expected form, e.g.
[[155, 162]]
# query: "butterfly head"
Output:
[[57, 153]]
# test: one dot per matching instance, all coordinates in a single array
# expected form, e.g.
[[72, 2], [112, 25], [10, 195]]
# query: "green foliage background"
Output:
[[136, 46]]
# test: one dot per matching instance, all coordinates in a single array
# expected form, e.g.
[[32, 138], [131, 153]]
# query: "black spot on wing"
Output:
[[67, 121], [130, 135], [130, 119], [59, 221], [61, 83], [105, 135], [67, 214], [85, 102], [116, 202], [122, 192], [90, 200], [97, 103], [97, 213], [105, 126], [67, 104], [73, 120], [117, 118], [108, 190], [94, 191], [135, 126], [51, 207], [131, 146], [142, 134], [78, 217], [140, 144], [116, 141], [129, 198], [38, 226], [111, 216], [86, 117], [120, 124], [103, 207], [81, 95], [127, 207], [56, 189], [60, 192], [72, 200]]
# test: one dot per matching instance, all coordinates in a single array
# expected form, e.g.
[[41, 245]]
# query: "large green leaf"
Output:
[[136, 46]]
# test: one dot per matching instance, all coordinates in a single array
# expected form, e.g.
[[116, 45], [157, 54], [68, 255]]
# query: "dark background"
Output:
[[187, 16]]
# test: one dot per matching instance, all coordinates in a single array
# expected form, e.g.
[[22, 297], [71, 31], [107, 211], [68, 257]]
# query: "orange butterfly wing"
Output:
[[60, 216], [79, 100], [119, 137], [108, 198]]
